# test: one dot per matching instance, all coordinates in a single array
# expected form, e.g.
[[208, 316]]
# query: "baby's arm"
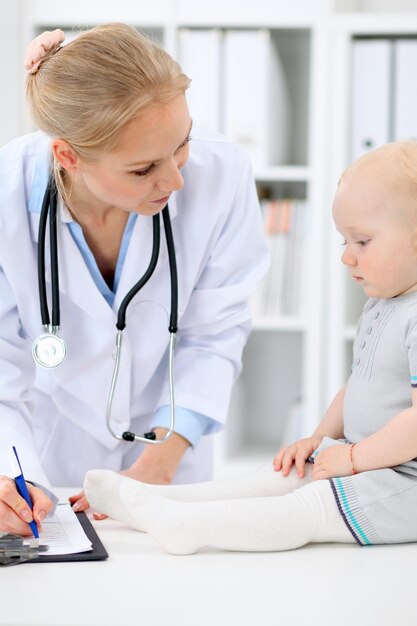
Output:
[[393, 444], [330, 426]]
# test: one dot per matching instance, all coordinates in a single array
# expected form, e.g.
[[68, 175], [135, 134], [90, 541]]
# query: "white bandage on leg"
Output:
[[272, 523]]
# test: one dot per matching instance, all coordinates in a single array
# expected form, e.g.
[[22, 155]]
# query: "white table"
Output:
[[331, 585]]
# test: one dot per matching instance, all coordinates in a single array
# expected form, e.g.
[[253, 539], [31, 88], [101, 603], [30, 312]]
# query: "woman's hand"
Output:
[[15, 513], [333, 461], [79, 502], [296, 453]]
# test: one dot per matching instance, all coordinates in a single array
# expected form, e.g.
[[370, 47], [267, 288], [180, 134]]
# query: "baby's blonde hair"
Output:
[[86, 91], [397, 161]]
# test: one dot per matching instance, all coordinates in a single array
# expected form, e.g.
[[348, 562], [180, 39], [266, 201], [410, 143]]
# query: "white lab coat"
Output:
[[56, 418]]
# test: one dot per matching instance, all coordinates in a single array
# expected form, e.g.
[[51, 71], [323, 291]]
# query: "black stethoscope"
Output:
[[49, 348]]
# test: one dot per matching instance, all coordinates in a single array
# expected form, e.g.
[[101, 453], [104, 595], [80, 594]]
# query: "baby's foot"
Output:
[[102, 489], [133, 503]]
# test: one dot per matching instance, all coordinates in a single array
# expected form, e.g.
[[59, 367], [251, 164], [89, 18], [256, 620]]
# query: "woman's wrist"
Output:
[[158, 463]]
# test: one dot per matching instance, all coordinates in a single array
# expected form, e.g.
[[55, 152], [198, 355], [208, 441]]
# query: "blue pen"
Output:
[[21, 487]]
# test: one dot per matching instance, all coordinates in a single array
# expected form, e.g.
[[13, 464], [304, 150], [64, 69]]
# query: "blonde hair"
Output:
[[86, 91], [396, 161]]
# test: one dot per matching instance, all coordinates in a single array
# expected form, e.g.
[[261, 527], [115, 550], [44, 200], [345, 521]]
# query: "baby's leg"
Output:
[[263, 482], [309, 514]]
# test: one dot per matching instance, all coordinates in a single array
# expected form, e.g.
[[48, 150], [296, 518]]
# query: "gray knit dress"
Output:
[[380, 506]]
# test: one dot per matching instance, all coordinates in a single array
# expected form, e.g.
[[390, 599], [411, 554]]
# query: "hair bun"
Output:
[[39, 48]]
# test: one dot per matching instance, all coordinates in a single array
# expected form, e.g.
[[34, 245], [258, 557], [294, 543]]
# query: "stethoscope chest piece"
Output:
[[49, 350]]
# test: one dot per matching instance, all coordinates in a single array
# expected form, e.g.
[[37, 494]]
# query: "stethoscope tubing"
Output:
[[121, 315], [148, 438], [49, 207], [121, 323], [43, 301], [173, 320], [56, 313]]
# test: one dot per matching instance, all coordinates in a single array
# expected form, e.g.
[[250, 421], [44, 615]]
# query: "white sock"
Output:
[[308, 514], [263, 482]]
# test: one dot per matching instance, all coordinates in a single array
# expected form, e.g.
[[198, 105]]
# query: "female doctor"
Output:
[[115, 137]]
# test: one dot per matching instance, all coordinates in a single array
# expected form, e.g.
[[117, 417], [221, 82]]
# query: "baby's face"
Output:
[[379, 229]]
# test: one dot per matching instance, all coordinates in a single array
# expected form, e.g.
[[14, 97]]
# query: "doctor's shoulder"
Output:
[[22, 160], [216, 153], [21, 151]]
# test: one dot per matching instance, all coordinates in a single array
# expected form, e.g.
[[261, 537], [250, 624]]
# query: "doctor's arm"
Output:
[[158, 464], [16, 380], [215, 324], [213, 331]]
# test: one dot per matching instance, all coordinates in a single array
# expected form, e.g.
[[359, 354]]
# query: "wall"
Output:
[[11, 71]]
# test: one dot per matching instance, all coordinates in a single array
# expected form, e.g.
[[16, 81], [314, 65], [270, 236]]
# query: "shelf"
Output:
[[288, 173], [46, 13], [260, 14], [284, 324]]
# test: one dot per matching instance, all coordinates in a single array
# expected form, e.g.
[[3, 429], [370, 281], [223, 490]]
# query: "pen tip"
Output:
[[34, 527]]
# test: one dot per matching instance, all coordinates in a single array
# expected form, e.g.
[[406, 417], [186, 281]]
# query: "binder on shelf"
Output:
[[405, 90], [277, 227], [256, 102], [279, 294], [200, 54], [371, 65]]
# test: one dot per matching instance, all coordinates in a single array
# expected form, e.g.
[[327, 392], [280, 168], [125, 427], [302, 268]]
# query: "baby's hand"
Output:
[[333, 461], [296, 453]]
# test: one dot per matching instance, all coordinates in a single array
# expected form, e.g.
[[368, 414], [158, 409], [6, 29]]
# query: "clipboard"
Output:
[[97, 553]]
